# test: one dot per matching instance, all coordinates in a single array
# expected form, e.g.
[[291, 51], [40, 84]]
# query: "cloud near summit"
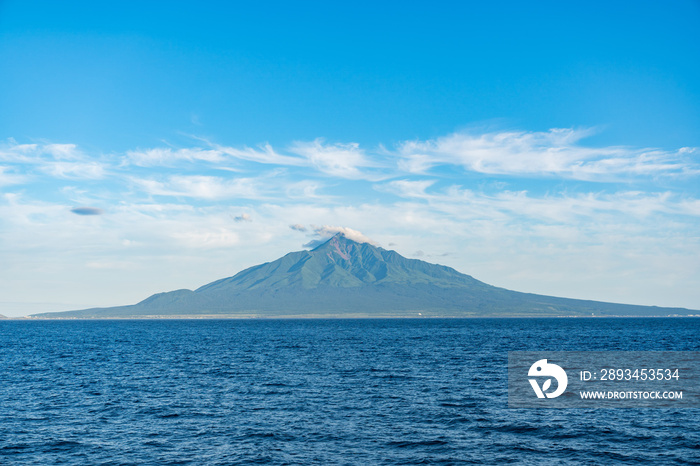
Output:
[[324, 233]]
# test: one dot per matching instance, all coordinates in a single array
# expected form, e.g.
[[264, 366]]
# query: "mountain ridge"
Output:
[[342, 277]]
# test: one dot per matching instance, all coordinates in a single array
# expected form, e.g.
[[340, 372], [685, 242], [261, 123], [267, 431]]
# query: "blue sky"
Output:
[[548, 147]]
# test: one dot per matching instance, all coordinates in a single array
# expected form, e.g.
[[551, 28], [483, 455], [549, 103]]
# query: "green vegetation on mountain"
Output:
[[345, 278]]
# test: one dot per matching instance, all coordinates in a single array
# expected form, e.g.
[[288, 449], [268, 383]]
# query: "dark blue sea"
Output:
[[385, 392]]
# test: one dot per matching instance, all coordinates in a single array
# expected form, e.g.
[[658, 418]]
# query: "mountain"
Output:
[[345, 278]]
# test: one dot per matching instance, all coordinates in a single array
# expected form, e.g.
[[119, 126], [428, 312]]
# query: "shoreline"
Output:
[[358, 316]]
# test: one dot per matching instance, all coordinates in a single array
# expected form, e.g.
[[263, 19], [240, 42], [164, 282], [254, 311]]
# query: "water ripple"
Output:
[[346, 392]]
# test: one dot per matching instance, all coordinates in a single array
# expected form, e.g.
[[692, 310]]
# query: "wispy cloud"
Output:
[[557, 207], [167, 156], [74, 170], [557, 152], [63, 161], [305, 190], [11, 151], [203, 187], [263, 154], [340, 160], [207, 238], [409, 188], [8, 178]]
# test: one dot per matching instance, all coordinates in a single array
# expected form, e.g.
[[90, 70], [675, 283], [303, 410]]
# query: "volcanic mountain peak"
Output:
[[339, 244], [342, 277], [340, 262]]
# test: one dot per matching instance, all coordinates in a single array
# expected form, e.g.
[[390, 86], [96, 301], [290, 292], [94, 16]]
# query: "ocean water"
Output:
[[319, 392]]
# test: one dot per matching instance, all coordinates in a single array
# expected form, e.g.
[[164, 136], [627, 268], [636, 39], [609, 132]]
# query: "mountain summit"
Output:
[[339, 263], [342, 277]]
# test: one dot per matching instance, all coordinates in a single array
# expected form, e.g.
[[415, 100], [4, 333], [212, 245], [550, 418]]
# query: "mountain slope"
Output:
[[343, 277], [341, 263]]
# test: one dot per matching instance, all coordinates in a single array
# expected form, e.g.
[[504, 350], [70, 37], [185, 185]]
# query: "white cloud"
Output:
[[202, 187], [304, 190], [409, 188], [265, 154], [63, 161], [120, 265], [562, 207], [325, 232], [63, 151], [341, 160], [11, 151], [166, 156], [209, 238], [74, 170], [7, 178], [556, 152]]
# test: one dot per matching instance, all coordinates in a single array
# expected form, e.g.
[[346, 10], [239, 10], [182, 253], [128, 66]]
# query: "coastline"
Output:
[[357, 316]]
